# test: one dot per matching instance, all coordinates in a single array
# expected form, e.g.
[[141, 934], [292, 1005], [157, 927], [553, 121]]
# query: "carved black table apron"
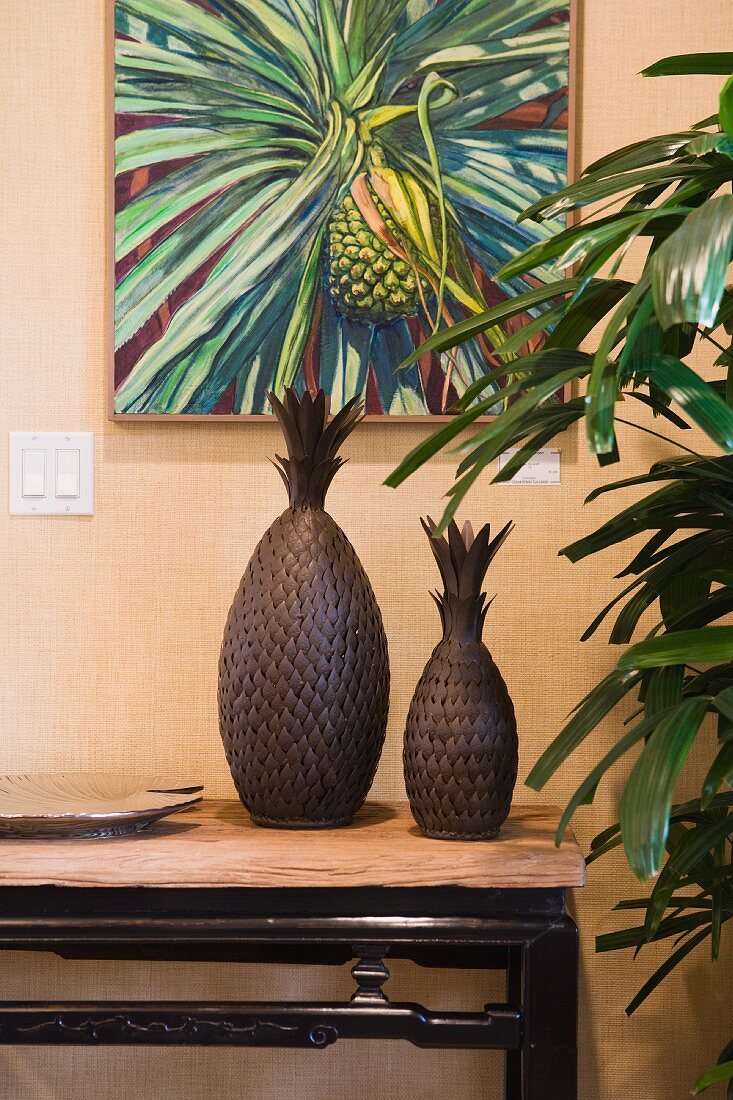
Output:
[[525, 931]]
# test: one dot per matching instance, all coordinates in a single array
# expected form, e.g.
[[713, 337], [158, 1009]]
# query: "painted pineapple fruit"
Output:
[[366, 279], [461, 749], [304, 671]]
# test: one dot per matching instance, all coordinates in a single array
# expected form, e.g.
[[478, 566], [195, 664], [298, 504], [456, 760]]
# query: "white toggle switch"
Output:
[[34, 472], [51, 474], [67, 473]]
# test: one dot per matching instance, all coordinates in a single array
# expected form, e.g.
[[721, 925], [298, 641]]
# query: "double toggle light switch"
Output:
[[51, 473]]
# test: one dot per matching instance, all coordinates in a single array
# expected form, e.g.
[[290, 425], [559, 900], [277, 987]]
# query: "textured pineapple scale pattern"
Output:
[[366, 280], [461, 750], [304, 676]]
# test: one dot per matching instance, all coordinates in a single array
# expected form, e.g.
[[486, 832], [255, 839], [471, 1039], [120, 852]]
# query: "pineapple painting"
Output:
[[306, 189]]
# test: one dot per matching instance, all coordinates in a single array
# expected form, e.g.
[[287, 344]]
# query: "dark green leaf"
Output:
[[714, 1076], [636, 937], [721, 576], [647, 798], [714, 643], [682, 594], [584, 793], [704, 838], [536, 368], [656, 583], [717, 606], [603, 384], [584, 311], [690, 811], [692, 64], [695, 397], [666, 968], [552, 421], [711, 120], [689, 268], [669, 880], [659, 409], [721, 771], [719, 895], [594, 707], [640, 154], [515, 342], [637, 519], [499, 428], [532, 446], [723, 702], [664, 690], [586, 191], [678, 902], [726, 107], [575, 244], [435, 442], [445, 339]]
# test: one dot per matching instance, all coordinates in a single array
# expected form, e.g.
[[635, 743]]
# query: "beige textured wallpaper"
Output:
[[110, 626]]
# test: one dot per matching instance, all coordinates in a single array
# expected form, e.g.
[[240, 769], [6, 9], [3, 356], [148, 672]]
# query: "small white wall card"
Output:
[[542, 469]]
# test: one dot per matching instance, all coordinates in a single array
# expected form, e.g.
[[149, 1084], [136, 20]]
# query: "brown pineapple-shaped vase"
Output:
[[460, 753], [303, 671]]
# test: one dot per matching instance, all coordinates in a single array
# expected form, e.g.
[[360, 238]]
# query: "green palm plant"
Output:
[[668, 189], [672, 193], [681, 673], [305, 188]]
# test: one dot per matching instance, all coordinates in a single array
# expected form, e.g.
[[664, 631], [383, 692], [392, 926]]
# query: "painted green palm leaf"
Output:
[[345, 354], [457, 22], [182, 252], [490, 181], [255, 119], [254, 262], [256, 53], [402, 393], [487, 90], [193, 381], [544, 42], [167, 199]]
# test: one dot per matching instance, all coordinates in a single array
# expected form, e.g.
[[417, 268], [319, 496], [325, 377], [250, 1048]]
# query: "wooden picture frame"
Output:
[[118, 413]]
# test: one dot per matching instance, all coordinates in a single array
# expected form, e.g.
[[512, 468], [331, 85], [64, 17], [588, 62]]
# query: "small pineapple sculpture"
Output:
[[303, 671], [460, 753]]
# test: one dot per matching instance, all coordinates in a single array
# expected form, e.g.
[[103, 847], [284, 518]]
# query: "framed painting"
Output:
[[306, 189]]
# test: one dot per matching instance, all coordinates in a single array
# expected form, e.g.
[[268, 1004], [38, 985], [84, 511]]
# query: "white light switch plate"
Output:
[[542, 469], [51, 473]]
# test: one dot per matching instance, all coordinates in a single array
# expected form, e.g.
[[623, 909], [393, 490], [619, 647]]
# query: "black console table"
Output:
[[208, 885]]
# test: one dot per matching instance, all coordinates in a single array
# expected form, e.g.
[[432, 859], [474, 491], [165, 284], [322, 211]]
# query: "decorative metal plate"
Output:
[[86, 804]]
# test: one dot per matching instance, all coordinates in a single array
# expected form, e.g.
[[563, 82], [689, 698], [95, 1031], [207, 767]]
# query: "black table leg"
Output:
[[550, 1014], [513, 1062]]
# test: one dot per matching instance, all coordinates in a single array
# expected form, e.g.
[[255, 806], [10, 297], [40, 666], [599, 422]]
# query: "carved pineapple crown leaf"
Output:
[[463, 560], [312, 442]]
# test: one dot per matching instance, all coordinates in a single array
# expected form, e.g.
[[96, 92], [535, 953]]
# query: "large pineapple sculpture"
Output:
[[303, 671], [460, 752]]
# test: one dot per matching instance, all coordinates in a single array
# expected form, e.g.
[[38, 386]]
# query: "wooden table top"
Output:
[[215, 845]]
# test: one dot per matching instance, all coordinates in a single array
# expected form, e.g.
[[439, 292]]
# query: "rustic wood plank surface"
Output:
[[215, 845]]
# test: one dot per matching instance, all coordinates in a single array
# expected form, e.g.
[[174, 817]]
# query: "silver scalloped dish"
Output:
[[87, 804]]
